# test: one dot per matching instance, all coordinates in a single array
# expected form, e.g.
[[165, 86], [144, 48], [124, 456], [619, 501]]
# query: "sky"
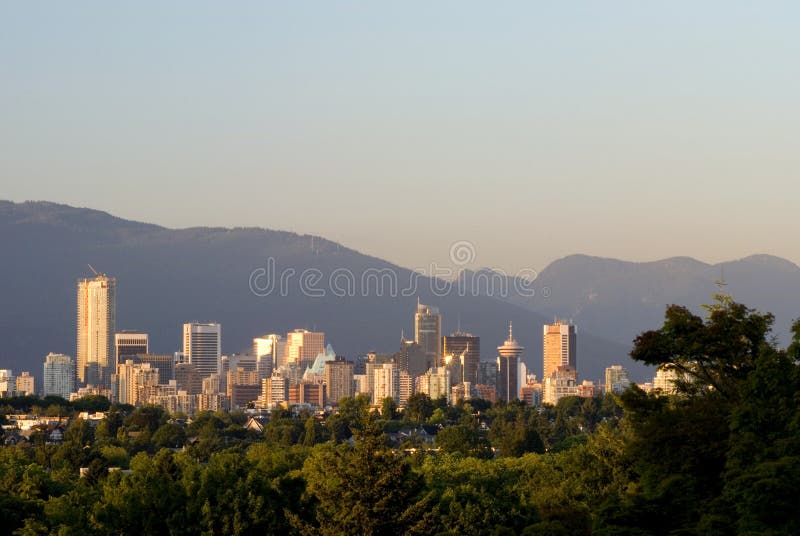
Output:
[[530, 130]]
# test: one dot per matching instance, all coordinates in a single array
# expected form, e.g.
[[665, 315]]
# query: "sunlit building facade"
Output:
[[96, 323]]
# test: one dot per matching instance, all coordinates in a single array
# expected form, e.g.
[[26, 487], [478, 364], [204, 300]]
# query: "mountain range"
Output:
[[166, 277], [617, 299]]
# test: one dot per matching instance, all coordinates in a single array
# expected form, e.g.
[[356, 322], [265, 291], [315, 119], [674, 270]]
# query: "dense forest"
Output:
[[721, 456]]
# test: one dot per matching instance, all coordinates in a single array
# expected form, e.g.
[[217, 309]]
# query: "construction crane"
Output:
[[95, 272]]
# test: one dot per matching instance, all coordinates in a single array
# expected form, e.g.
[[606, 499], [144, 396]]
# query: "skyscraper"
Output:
[[134, 381], [7, 381], [25, 383], [302, 347], [128, 344], [560, 346], [562, 382], [165, 364], [487, 373], [96, 325], [666, 379], [412, 358], [435, 383], [617, 379], [469, 345], [508, 367], [428, 331], [384, 381], [338, 379], [59, 375], [202, 347], [269, 351]]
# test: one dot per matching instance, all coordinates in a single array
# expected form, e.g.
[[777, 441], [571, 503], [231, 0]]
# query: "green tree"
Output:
[[91, 403], [696, 455], [146, 418], [151, 500], [419, 408], [464, 440], [314, 432], [364, 489], [717, 353], [389, 408], [169, 435]]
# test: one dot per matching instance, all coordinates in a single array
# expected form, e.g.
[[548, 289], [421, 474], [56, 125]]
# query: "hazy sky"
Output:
[[532, 129]]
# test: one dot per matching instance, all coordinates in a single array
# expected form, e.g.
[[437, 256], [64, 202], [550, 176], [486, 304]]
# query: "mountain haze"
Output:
[[619, 299], [166, 277]]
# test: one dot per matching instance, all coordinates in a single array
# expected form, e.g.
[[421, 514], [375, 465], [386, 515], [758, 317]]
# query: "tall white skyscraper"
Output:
[[202, 347], [96, 325], [59, 375]]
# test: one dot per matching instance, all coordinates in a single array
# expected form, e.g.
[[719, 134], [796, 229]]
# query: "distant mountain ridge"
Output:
[[170, 276], [619, 299]]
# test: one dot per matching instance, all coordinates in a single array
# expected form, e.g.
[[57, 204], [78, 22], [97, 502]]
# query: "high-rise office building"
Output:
[[165, 364], [617, 379], [428, 331], [134, 381], [302, 347], [128, 344], [274, 390], [508, 368], [59, 375], [269, 351], [242, 361], [338, 379], [560, 347], [96, 322], [435, 383], [202, 347], [7, 381], [464, 347], [412, 358], [487, 373], [406, 387], [25, 383], [384, 381], [666, 379], [187, 380], [562, 382], [243, 387]]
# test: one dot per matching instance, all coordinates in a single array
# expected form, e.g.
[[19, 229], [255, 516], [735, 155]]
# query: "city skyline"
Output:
[[480, 268], [136, 376]]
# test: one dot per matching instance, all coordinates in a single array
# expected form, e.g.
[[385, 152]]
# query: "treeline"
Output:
[[53, 406], [720, 457]]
